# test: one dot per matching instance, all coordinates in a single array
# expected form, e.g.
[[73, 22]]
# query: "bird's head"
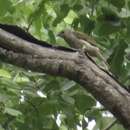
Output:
[[65, 33], [69, 36]]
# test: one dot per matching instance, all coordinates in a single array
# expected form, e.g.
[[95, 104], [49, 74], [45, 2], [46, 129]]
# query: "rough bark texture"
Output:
[[73, 65]]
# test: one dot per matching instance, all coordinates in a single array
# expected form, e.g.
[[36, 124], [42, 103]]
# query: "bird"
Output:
[[79, 40]]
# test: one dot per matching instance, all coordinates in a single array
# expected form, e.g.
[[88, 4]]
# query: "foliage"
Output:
[[38, 101]]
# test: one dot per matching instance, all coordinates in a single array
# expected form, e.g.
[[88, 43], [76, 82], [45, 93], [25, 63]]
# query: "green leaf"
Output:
[[5, 6], [68, 85], [103, 28], [87, 25], [94, 113], [128, 30], [84, 102], [108, 22], [12, 112], [4, 73], [38, 26], [2, 107], [117, 58], [75, 23], [48, 107], [68, 99], [105, 121], [52, 36], [118, 3], [61, 14], [77, 7]]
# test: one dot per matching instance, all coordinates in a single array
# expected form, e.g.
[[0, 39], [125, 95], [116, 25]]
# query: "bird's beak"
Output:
[[58, 35]]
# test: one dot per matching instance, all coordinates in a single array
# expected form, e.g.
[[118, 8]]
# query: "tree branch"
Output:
[[73, 65]]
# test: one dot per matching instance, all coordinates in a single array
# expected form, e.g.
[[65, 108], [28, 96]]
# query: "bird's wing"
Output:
[[85, 37]]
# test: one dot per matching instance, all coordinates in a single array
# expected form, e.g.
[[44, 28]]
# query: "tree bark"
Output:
[[74, 65]]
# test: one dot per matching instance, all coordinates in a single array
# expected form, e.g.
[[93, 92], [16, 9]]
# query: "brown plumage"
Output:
[[80, 40]]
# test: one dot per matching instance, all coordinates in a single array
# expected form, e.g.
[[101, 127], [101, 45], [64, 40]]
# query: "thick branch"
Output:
[[73, 65]]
